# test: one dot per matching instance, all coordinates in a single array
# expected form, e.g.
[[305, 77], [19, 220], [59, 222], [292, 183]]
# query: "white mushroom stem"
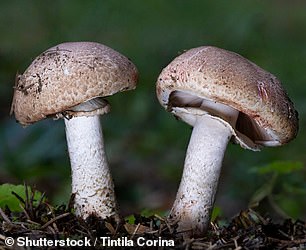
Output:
[[92, 184], [194, 202]]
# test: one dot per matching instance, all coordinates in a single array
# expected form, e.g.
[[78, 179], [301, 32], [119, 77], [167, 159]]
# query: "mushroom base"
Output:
[[195, 198], [92, 184]]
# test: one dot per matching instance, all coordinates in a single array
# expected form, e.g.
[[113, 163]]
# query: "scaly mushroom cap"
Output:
[[67, 75], [211, 75]]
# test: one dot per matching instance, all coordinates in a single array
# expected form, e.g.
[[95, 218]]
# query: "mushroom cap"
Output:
[[212, 75], [67, 75]]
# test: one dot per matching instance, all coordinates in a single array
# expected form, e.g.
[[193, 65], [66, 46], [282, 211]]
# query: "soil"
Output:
[[43, 222]]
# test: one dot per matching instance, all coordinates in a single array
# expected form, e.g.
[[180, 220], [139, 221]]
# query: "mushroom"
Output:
[[224, 97], [70, 81]]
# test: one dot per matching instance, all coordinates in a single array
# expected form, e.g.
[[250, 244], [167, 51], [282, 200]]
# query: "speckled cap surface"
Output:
[[67, 75], [228, 78]]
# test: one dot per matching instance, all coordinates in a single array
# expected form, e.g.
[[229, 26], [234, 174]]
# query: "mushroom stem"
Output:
[[92, 183], [195, 198]]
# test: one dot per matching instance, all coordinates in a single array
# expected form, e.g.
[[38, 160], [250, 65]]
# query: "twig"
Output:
[[301, 241], [25, 212], [5, 217], [165, 221], [55, 219], [135, 231]]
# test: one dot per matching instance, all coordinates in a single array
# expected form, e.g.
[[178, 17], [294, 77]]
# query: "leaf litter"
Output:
[[247, 230]]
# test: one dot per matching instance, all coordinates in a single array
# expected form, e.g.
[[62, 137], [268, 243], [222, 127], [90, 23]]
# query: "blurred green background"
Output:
[[146, 145]]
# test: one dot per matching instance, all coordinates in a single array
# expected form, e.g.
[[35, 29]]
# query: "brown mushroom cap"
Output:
[[67, 75], [266, 114]]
